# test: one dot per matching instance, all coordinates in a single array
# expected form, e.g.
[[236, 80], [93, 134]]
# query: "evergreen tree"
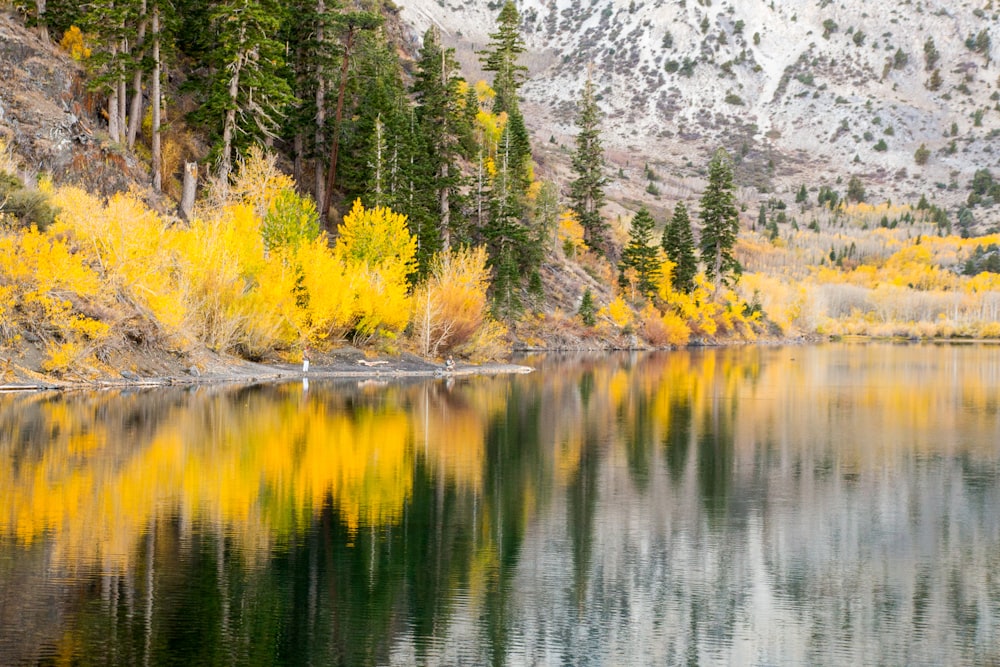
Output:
[[310, 55], [350, 25], [506, 235], [372, 138], [500, 57], [439, 115], [640, 254], [247, 94], [856, 190], [587, 188], [588, 311], [114, 27], [762, 217], [720, 221], [802, 196], [678, 244]]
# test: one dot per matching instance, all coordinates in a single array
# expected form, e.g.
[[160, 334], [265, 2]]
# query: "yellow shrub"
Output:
[[377, 247], [72, 42], [662, 329], [619, 312], [329, 292], [451, 306], [39, 277], [134, 248], [377, 236], [570, 233], [268, 308], [383, 302], [219, 261]]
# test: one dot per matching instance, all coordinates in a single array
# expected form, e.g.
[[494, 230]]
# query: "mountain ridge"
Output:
[[789, 87]]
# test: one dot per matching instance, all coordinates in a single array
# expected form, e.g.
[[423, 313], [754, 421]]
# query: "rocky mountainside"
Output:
[[799, 92], [49, 120]]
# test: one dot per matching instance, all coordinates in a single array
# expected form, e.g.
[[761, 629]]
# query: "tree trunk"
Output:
[[443, 175], [43, 29], [189, 189], [298, 146], [445, 211], [229, 124], [114, 130], [135, 113], [331, 174], [320, 108], [157, 156], [122, 102]]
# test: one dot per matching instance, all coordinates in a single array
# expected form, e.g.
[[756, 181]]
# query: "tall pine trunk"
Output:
[[331, 174], [229, 122], [320, 106], [135, 113], [43, 29], [157, 156]]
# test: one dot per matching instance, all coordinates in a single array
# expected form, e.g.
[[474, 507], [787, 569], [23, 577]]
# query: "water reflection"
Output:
[[821, 505]]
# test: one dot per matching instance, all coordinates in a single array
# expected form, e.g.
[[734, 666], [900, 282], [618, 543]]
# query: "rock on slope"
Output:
[[803, 92], [48, 119]]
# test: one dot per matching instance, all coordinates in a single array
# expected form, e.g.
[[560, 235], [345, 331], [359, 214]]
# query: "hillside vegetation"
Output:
[[353, 195]]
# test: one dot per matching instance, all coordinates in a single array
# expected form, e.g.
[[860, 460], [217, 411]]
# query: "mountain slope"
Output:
[[800, 92]]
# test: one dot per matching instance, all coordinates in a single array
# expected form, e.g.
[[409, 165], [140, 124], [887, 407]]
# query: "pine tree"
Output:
[[587, 188], [720, 221], [762, 216], [588, 311], [640, 254], [439, 116], [349, 25], [506, 235], [500, 57], [113, 26], [372, 141], [310, 57], [678, 244], [856, 189], [247, 94], [802, 196]]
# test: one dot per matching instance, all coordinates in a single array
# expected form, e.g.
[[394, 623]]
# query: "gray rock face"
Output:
[[49, 119]]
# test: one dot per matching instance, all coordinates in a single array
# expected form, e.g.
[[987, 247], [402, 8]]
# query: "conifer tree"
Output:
[[374, 133], [587, 311], [247, 94], [310, 56], [678, 244], [802, 196], [349, 25], [113, 26], [439, 116], [720, 221], [640, 254], [506, 235], [500, 57], [587, 188]]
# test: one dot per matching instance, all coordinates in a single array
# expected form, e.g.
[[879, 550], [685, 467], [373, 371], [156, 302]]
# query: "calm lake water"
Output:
[[827, 505]]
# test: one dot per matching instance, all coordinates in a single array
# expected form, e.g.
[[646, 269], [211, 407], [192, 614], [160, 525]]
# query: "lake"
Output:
[[835, 504]]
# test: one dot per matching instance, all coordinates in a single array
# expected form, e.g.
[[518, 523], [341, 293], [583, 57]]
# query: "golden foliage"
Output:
[[662, 329], [376, 236], [570, 233], [40, 278], [451, 306], [376, 245], [73, 43], [618, 312]]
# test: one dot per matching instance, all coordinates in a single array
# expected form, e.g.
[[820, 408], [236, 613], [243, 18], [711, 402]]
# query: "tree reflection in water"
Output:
[[813, 505]]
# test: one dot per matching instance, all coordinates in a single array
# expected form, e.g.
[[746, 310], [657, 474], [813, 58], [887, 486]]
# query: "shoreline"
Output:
[[252, 373], [352, 364]]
